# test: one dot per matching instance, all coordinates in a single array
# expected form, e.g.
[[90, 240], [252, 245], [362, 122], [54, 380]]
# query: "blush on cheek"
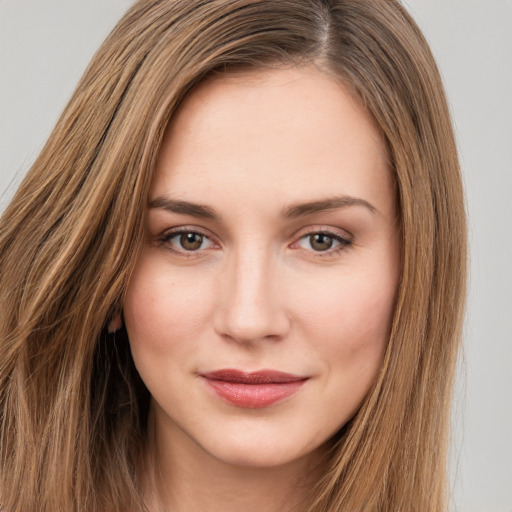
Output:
[[156, 333], [360, 340], [163, 306]]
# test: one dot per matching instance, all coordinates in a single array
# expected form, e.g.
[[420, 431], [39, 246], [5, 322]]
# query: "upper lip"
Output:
[[257, 377]]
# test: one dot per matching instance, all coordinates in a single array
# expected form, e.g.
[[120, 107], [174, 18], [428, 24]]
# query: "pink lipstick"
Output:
[[253, 390]]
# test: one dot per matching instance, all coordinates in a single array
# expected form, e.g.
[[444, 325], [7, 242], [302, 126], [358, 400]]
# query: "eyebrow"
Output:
[[184, 207], [291, 212], [324, 205]]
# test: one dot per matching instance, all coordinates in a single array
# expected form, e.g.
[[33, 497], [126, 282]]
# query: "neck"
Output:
[[182, 476]]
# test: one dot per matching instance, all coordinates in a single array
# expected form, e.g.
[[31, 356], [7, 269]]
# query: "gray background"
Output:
[[45, 46]]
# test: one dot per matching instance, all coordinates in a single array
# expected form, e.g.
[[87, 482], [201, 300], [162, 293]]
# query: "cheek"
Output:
[[159, 302], [350, 320]]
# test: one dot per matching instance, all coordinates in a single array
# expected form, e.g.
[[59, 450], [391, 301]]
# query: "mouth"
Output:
[[253, 390]]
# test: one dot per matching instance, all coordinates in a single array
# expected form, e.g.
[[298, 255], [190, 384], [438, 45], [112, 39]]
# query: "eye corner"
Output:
[[187, 242], [322, 242]]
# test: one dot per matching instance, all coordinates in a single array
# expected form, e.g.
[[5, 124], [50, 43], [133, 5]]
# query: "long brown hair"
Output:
[[72, 408]]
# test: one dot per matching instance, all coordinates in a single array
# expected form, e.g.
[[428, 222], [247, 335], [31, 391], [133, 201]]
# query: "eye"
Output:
[[323, 242], [187, 241]]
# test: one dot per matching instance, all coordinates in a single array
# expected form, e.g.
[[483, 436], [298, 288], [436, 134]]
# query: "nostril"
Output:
[[248, 305], [251, 321]]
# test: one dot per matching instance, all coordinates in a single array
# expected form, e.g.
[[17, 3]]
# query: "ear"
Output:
[[115, 324]]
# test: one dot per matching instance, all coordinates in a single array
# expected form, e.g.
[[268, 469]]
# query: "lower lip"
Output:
[[253, 396]]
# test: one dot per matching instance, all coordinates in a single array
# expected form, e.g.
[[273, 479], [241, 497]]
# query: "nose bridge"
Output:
[[250, 307]]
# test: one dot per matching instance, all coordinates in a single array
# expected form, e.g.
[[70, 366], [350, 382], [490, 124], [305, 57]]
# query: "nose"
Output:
[[250, 306]]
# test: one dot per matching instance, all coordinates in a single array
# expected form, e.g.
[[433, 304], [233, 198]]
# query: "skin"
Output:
[[258, 293]]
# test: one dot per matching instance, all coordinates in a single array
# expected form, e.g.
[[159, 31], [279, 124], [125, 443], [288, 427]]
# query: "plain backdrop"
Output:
[[45, 46]]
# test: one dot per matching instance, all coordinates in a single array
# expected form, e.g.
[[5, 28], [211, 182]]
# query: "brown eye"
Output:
[[186, 241], [327, 242], [321, 242], [191, 241]]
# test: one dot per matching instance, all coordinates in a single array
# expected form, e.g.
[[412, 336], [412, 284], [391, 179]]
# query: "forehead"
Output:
[[292, 131]]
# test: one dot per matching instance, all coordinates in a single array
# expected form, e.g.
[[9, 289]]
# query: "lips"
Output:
[[253, 390]]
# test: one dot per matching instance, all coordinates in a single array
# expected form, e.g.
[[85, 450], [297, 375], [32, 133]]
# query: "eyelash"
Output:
[[343, 242], [167, 237]]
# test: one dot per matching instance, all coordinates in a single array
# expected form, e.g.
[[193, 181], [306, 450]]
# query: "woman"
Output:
[[234, 277]]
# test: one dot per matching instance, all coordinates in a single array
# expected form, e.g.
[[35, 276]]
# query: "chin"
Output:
[[261, 452]]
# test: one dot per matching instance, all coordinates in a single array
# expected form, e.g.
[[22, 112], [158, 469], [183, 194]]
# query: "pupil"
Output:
[[191, 241], [321, 242]]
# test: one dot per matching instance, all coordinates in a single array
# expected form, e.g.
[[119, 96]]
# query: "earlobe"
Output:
[[115, 324]]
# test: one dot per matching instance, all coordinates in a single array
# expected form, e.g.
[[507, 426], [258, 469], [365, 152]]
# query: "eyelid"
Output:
[[170, 233], [343, 237], [327, 230]]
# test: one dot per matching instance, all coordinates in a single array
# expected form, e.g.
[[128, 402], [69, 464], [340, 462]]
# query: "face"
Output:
[[260, 307]]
